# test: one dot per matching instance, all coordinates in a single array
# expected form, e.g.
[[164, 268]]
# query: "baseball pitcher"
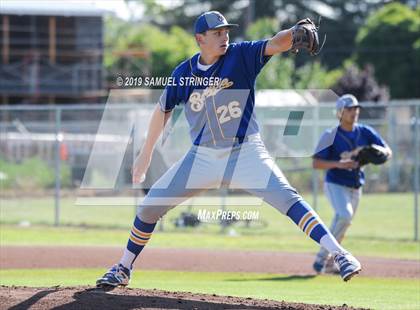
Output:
[[216, 89]]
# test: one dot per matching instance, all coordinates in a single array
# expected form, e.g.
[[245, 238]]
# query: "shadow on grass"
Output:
[[381, 239], [276, 278]]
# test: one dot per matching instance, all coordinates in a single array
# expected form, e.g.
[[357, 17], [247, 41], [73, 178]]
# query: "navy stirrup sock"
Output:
[[306, 218]]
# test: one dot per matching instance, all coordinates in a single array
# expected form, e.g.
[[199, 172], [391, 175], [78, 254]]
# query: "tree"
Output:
[[362, 84], [282, 71], [390, 42], [340, 19], [145, 50]]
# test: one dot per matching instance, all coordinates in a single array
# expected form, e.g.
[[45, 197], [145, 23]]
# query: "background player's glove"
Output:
[[305, 36], [372, 154]]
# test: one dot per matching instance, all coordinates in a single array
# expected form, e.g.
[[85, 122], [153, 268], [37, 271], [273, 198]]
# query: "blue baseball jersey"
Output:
[[218, 102], [336, 144]]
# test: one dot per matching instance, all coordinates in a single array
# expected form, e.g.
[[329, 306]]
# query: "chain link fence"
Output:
[[45, 149]]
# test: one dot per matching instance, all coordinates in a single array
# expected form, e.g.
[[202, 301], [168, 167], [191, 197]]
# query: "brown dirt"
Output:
[[90, 298], [191, 260], [166, 259]]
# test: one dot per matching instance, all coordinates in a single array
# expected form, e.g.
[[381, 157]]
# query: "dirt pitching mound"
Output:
[[91, 298]]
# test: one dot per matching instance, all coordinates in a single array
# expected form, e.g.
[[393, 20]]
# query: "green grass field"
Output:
[[382, 227], [11, 235], [361, 292]]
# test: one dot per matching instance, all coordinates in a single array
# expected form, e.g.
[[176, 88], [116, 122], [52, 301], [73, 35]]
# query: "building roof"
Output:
[[50, 8], [284, 97], [294, 97]]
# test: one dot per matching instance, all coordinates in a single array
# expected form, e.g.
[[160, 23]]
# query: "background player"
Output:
[[227, 148], [344, 178]]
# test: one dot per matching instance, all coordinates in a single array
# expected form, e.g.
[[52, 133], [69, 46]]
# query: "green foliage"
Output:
[[389, 41], [340, 19], [165, 50], [277, 75], [30, 174], [314, 75], [282, 72], [65, 175], [159, 51], [262, 28]]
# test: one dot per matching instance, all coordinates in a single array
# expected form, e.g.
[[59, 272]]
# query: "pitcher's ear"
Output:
[[199, 37]]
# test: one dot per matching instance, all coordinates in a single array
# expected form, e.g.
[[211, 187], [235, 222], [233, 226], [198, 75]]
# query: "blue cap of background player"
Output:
[[211, 20], [346, 101]]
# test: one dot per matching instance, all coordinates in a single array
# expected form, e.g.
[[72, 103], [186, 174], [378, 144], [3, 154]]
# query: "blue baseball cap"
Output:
[[347, 101], [211, 20]]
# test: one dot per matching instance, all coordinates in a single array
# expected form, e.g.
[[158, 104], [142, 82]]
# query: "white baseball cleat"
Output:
[[348, 265], [118, 275]]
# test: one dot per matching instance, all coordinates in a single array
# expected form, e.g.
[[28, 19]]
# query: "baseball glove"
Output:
[[305, 36], [372, 154]]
